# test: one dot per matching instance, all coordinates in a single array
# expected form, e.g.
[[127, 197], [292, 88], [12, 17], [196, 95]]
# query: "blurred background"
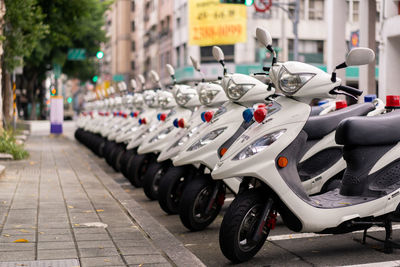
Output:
[[66, 48]]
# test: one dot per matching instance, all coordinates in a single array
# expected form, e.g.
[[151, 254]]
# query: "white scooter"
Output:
[[211, 96], [202, 151], [270, 165]]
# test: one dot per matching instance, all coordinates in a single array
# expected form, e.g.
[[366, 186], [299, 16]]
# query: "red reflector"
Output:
[[163, 116], [208, 115], [260, 114], [341, 104], [144, 121], [392, 101]]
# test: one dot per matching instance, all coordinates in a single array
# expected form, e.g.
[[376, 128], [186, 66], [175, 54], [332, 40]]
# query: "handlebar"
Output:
[[347, 89]]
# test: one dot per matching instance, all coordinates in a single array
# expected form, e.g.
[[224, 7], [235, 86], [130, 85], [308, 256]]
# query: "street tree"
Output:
[[71, 24], [23, 31]]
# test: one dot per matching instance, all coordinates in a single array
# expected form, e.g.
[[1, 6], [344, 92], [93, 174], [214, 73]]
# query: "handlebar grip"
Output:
[[350, 90]]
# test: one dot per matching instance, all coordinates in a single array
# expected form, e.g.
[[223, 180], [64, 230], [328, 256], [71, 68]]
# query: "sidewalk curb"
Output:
[[161, 237]]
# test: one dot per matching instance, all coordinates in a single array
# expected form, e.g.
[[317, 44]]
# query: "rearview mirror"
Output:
[[195, 63], [218, 53], [122, 86], [154, 76], [263, 36], [360, 56], [141, 79], [133, 84], [170, 69]]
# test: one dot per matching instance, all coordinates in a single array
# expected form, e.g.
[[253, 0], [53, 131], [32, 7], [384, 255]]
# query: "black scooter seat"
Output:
[[318, 126], [365, 131]]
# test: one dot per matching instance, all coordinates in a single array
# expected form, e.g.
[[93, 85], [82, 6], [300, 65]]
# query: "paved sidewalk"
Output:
[[60, 205]]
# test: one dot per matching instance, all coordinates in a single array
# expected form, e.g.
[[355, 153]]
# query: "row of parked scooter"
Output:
[[327, 169]]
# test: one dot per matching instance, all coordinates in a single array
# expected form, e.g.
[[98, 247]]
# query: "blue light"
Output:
[[159, 116], [320, 103], [132, 114], [202, 116], [369, 98], [248, 114], [140, 121], [175, 123]]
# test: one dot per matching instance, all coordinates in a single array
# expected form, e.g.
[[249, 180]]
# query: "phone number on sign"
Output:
[[216, 31]]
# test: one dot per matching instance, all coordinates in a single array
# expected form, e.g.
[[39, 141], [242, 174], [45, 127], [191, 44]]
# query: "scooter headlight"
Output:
[[208, 138], [182, 98], [164, 101], [161, 135], [150, 100], [185, 138], [291, 83], [236, 91], [259, 145], [207, 95]]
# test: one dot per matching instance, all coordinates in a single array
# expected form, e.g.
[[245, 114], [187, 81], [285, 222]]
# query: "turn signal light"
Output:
[[341, 104], [175, 123], [260, 114], [181, 123], [223, 151], [282, 162], [369, 98], [248, 114], [392, 101], [202, 116], [208, 116]]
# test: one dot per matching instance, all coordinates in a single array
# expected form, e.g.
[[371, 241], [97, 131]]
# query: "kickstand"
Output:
[[389, 245]]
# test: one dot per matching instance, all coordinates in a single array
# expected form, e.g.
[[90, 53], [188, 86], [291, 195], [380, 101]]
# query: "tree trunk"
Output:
[[31, 97], [7, 96]]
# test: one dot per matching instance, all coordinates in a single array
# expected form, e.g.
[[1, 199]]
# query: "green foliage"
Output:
[[23, 30], [8, 145], [72, 24]]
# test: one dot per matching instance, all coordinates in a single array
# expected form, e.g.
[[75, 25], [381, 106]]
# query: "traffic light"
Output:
[[100, 54], [242, 2], [95, 78], [53, 91], [69, 100]]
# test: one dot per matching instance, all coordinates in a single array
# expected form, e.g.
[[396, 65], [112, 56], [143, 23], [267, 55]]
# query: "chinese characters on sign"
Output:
[[213, 23]]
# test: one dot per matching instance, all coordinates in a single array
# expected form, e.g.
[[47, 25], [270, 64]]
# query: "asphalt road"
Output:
[[285, 248]]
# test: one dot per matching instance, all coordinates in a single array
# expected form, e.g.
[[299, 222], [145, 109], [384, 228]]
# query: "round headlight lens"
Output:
[[291, 83]]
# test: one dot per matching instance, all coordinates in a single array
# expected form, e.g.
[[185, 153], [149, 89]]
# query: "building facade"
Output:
[[156, 33]]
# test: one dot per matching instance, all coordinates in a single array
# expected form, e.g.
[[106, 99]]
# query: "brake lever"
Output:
[[334, 91]]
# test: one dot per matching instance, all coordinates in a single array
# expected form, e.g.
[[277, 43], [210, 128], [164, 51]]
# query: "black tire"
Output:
[[111, 155], [117, 156], [194, 201], [152, 178], [137, 168], [171, 188], [124, 161], [244, 211]]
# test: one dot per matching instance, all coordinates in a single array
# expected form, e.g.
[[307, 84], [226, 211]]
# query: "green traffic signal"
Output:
[[95, 78], [100, 54], [69, 100]]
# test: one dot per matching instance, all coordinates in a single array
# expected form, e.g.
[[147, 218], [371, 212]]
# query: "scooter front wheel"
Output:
[[137, 168], [152, 178], [171, 188], [239, 225], [194, 210]]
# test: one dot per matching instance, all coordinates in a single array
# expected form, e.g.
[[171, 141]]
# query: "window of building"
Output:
[[316, 10], [133, 45], [207, 57], [356, 6], [310, 51], [132, 5], [178, 22], [168, 57], [178, 57], [185, 54], [132, 65], [133, 26]]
